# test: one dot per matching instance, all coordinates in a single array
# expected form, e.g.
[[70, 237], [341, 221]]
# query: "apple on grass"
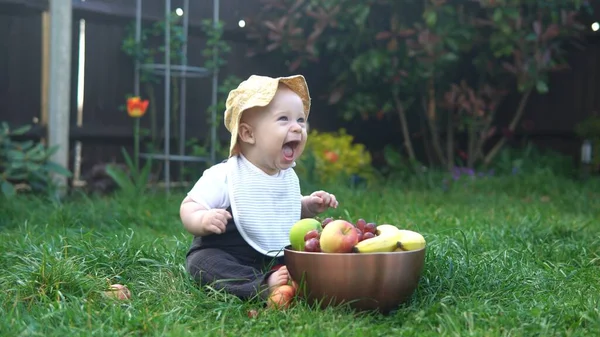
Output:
[[339, 236], [281, 297], [118, 291]]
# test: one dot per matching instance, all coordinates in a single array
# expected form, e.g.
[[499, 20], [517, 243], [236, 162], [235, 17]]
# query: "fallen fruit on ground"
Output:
[[119, 292], [339, 236], [281, 297], [299, 230]]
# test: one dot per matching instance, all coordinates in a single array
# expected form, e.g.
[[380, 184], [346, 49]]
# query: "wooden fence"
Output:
[[100, 125], [103, 129]]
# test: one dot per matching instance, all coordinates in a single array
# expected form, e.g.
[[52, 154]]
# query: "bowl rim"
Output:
[[288, 249]]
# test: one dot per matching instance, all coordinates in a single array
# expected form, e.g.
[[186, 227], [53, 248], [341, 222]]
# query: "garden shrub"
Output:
[[334, 157]]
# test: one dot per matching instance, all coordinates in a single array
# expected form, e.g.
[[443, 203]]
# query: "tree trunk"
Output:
[[471, 155], [431, 118], [450, 141], [426, 143], [512, 126], [404, 124]]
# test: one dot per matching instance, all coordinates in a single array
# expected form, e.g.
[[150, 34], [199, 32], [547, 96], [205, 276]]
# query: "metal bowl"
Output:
[[363, 281]]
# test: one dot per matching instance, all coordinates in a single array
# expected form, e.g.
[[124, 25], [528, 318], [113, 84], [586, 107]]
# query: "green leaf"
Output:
[[59, 169], [21, 130], [450, 57], [15, 155], [542, 87], [392, 157], [8, 189], [14, 164], [128, 160], [52, 150], [33, 166], [120, 177], [23, 146], [430, 18], [531, 37], [143, 177], [497, 16], [452, 44]]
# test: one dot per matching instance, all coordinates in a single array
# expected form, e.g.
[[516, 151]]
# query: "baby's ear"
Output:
[[246, 134]]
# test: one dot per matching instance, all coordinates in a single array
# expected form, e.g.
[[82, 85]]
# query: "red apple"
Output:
[[281, 297], [338, 237], [252, 313], [118, 291]]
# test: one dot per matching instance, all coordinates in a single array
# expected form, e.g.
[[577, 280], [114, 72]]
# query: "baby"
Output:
[[241, 210]]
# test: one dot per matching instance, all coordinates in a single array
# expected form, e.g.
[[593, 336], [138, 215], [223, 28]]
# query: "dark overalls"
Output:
[[226, 261]]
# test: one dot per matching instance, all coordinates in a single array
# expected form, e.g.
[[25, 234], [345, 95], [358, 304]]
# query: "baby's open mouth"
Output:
[[289, 148]]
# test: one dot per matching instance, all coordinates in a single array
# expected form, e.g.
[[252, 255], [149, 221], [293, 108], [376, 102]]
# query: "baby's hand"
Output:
[[215, 220], [320, 201]]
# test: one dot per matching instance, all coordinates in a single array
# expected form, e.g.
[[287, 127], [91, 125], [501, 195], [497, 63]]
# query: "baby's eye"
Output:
[[283, 118], [300, 120]]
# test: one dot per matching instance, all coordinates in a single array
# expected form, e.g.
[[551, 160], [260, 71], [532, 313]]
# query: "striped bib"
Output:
[[263, 207]]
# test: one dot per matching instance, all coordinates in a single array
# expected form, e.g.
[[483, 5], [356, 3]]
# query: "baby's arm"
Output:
[[317, 202], [200, 221], [306, 212], [202, 211]]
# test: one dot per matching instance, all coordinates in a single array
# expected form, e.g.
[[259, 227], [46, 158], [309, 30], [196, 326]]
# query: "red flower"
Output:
[[136, 108], [331, 156]]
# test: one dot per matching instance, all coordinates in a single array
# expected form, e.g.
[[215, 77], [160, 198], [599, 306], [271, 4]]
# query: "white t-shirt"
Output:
[[264, 207], [210, 190]]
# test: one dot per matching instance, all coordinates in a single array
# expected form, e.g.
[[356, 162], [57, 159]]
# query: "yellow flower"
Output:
[[136, 107]]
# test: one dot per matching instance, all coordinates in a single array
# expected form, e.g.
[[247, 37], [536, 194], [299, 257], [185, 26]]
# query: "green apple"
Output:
[[299, 230]]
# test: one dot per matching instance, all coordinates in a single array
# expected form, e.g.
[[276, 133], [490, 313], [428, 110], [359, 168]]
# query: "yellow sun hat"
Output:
[[259, 91]]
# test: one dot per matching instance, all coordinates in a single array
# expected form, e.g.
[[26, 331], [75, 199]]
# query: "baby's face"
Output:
[[280, 132]]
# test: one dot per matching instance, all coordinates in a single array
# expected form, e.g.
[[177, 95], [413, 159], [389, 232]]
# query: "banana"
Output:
[[410, 240], [386, 240]]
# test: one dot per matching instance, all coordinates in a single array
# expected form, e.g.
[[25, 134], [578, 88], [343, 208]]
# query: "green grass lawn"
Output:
[[509, 256]]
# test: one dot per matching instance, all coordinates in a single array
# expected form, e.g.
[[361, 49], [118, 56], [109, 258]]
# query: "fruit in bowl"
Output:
[[364, 265], [390, 239], [300, 229], [339, 236]]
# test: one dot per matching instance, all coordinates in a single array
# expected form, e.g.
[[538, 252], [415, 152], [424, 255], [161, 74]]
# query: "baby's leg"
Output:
[[221, 270], [278, 278], [281, 293]]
